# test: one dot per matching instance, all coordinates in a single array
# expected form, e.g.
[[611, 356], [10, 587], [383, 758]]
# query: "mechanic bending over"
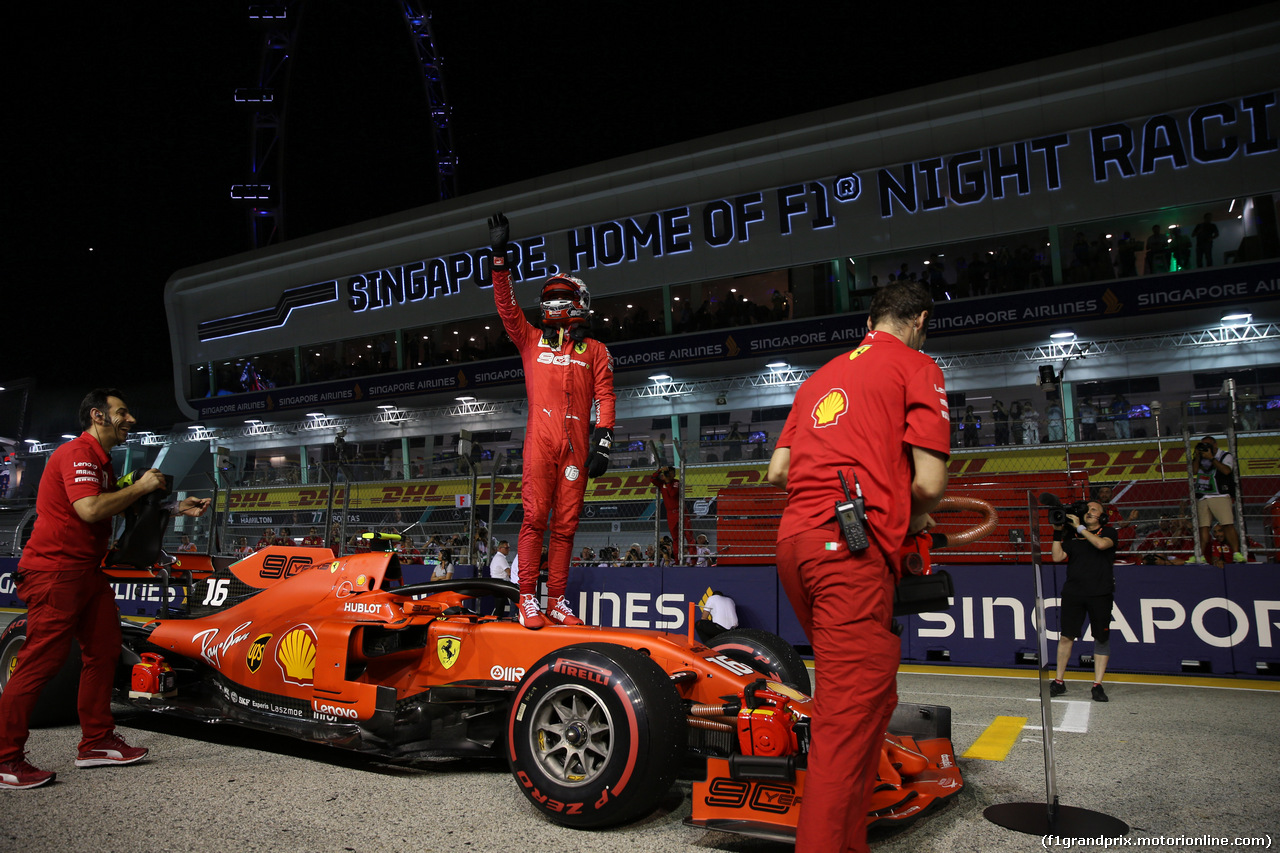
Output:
[[67, 596], [877, 418], [565, 372], [1090, 551]]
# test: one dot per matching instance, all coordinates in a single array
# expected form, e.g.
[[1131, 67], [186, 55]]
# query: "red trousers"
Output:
[[62, 606], [554, 484], [845, 605]]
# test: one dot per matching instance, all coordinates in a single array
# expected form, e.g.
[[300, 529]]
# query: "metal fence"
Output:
[[725, 512]]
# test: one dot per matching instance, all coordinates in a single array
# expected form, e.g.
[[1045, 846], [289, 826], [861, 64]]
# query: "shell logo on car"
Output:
[[296, 655]]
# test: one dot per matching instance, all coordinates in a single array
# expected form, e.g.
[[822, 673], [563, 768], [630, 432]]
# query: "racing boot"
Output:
[[530, 614], [559, 611]]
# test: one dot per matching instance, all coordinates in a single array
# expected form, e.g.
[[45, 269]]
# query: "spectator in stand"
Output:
[[1157, 259], [1000, 418], [970, 427], [1204, 234], [1088, 421], [1030, 424], [1164, 546], [268, 538], [704, 556], [242, 549], [1180, 247], [1053, 414], [285, 537], [1015, 421], [313, 539], [1219, 552], [1120, 416], [500, 564], [1127, 256], [443, 570], [186, 546], [650, 557], [408, 551]]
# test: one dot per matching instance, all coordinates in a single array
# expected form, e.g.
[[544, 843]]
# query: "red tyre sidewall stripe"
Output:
[[634, 730]]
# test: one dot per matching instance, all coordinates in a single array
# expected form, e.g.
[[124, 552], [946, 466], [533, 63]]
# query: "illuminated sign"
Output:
[[1156, 145]]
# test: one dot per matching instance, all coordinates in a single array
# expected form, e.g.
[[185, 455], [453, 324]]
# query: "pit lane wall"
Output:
[[1167, 619]]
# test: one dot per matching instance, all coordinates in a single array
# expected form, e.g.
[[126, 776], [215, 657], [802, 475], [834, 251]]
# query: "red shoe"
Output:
[[19, 774], [110, 750], [559, 611], [530, 614]]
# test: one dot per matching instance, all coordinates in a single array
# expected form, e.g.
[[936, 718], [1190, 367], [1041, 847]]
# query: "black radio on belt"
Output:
[[852, 515]]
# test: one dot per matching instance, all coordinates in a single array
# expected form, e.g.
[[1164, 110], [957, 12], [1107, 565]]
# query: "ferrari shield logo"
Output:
[[447, 649]]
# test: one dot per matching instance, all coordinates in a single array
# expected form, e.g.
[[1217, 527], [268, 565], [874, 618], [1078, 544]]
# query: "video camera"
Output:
[[1058, 510]]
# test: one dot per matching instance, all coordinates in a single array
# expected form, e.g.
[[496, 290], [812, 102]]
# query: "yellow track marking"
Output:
[[994, 744]]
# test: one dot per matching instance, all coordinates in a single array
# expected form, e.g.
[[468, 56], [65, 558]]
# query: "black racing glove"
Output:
[[500, 239], [598, 458]]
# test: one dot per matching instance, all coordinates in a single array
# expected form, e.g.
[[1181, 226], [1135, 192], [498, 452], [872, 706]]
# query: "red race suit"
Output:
[[670, 494], [563, 380], [860, 414], [67, 597]]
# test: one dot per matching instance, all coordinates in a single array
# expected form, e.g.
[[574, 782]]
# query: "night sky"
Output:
[[124, 136]]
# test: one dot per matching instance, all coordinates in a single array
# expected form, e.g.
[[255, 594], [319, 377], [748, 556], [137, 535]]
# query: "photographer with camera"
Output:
[[68, 598], [1089, 549], [1215, 474]]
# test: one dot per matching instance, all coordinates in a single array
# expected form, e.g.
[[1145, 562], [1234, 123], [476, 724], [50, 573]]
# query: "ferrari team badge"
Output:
[[447, 649]]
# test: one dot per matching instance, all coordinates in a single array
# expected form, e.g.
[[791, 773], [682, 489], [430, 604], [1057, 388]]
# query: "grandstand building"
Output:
[[1059, 211]]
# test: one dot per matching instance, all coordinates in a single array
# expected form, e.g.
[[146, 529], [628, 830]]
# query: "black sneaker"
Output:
[[1099, 695], [1057, 688]]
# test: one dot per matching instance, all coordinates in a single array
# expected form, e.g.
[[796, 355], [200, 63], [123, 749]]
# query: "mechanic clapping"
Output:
[[565, 372], [67, 595], [877, 418]]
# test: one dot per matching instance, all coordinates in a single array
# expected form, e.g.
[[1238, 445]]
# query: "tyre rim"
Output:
[[8, 662], [572, 735]]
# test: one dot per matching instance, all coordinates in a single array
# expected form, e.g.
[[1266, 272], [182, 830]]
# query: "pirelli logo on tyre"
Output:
[[257, 652], [584, 671]]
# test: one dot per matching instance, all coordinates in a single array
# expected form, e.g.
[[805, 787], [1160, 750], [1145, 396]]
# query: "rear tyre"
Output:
[[767, 654], [595, 735], [57, 703]]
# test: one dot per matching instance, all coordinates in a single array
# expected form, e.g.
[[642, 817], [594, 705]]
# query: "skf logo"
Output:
[[296, 655], [829, 409], [447, 649], [585, 671], [257, 651], [859, 351]]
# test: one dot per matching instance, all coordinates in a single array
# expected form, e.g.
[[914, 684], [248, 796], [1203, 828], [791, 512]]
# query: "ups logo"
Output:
[[257, 651]]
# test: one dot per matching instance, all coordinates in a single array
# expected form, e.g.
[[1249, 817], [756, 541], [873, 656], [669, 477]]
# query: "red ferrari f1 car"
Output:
[[595, 723]]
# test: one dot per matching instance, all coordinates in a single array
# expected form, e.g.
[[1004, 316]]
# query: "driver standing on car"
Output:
[[565, 372], [67, 595], [878, 416]]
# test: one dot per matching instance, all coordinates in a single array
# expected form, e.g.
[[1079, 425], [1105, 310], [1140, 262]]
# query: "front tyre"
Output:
[[596, 734], [766, 653], [57, 703]]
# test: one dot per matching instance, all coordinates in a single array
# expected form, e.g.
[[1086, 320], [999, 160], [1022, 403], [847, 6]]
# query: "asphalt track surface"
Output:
[[1167, 758]]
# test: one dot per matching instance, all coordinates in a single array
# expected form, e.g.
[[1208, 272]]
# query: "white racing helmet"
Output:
[[565, 302]]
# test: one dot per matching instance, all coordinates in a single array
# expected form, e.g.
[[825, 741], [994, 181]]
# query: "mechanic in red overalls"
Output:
[[565, 371], [879, 416], [67, 595]]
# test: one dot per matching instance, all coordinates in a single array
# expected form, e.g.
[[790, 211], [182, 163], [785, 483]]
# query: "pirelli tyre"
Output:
[[57, 703], [767, 654], [596, 734]]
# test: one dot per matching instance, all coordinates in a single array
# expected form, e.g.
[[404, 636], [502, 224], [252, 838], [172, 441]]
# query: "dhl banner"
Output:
[[1259, 456]]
